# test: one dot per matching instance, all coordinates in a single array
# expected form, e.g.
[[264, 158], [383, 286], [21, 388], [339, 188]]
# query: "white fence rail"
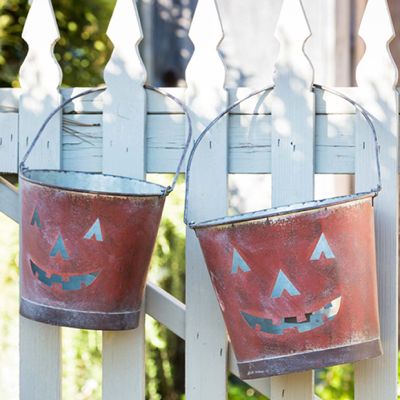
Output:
[[134, 132]]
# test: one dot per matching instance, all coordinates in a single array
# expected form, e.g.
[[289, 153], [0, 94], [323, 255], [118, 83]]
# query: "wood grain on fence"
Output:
[[377, 79], [124, 114], [292, 145], [40, 77], [206, 342]]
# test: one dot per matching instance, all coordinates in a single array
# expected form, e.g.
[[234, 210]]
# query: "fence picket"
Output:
[[124, 102], [124, 111], [40, 77], [377, 378], [206, 343], [292, 144]]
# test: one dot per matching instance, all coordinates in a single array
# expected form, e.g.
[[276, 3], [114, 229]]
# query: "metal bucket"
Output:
[[297, 284], [87, 240]]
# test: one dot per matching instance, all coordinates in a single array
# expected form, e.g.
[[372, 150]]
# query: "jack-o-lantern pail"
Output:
[[87, 240], [296, 285]]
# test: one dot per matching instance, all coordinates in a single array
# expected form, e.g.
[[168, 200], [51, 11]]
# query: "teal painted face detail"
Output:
[[95, 231], [59, 247], [238, 263], [303, 323], [322, 247], [75, 282], [35, 219], [283, 284], [68, 282], [313, 320]]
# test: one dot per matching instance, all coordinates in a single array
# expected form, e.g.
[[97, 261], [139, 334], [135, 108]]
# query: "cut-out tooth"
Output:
[[301, 318], [303, 323], [276, 321]]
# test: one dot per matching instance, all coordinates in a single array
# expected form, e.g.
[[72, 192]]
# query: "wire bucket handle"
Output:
[[357, 106], [169, 188]]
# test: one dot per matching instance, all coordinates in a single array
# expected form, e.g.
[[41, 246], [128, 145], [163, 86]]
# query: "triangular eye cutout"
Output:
[[322, 247], [59, 247], [35, 219], [95, 231], [283, 283], [238, 263]]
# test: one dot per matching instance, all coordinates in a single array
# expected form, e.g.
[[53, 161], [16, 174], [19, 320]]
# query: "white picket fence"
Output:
[[148, 132]]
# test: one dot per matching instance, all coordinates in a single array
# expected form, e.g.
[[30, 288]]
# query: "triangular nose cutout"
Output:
[[283, 283], [322, 247], [95, 231], [59, 247], [35, 219], [238, 263]]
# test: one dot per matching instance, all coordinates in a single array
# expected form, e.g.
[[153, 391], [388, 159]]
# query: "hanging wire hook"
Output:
[[169, 188], [49, 118], [367, 116], [188, 136]]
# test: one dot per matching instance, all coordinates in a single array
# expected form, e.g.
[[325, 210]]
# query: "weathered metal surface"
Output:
[[85, 255], [297, 290]]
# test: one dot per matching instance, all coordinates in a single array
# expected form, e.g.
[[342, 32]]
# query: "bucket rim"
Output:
[[158, 190], [281, 210]]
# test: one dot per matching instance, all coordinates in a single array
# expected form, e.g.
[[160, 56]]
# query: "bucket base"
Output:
[[310, 360], [105, 321]]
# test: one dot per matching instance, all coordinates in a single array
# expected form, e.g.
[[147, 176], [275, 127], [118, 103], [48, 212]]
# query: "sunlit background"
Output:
[[82, 52]]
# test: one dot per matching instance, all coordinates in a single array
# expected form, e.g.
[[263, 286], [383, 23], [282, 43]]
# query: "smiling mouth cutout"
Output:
[[73, 282], [312, 321]]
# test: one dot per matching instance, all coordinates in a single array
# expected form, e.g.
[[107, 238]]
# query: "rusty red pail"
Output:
[[296, 285], [87, 240]]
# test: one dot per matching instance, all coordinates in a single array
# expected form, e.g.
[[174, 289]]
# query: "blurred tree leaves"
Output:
[[81, 364], [12, 47], [335, 383], [82, 50]]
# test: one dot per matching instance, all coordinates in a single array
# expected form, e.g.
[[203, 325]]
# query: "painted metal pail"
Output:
[[297, 284], [87, 240]]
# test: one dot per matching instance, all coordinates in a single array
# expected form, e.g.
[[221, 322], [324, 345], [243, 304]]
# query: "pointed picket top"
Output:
[[377, 31], [124, 26], [40, 24], [125, 32], [124, 101], [377, 12], [40, 32], [292, 23], [206, 28], [206, 70], [292, 32]]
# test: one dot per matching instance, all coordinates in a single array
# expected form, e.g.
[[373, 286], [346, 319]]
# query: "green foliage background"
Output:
[[82, 53], [83, 48]]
